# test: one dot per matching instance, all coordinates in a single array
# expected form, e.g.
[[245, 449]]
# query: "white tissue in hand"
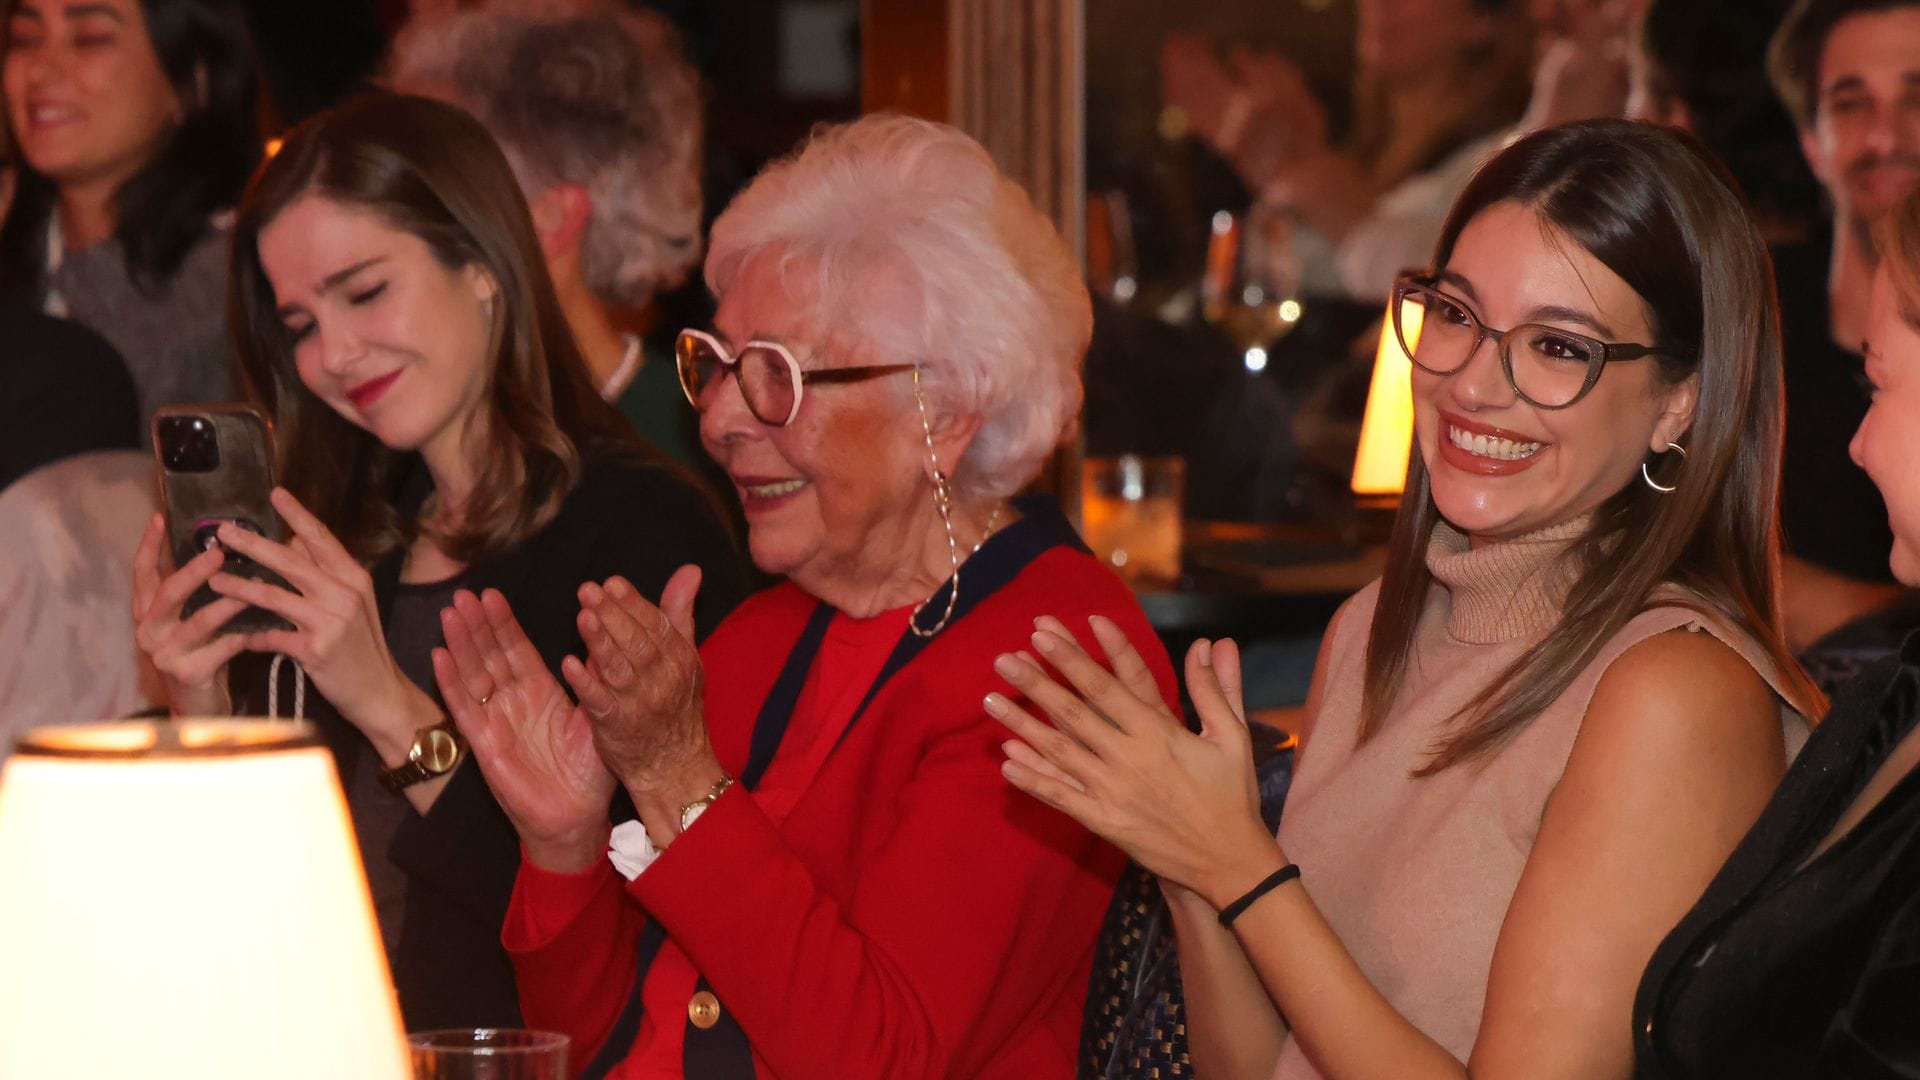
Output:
[[631, 849]]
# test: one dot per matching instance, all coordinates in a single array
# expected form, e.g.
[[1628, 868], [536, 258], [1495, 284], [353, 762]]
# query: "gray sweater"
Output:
[[174, 341]]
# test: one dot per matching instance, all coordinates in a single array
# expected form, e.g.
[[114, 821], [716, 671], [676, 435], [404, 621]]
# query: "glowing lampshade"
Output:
[[1386, 431], [185, 899]]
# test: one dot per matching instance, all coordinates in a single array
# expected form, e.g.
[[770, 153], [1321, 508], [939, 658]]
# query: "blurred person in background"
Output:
[[1848, 72], [435, 430], [136, 127], [75, 494], [1438, 84], [600, 116], [1701, 65]]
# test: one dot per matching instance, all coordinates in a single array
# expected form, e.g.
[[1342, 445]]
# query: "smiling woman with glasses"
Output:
[[828, 877], [1519, 765]]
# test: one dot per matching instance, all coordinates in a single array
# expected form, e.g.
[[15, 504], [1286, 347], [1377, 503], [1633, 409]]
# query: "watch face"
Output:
[[439, 750]]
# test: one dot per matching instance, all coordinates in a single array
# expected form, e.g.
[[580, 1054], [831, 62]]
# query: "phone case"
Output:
[[234, 489]]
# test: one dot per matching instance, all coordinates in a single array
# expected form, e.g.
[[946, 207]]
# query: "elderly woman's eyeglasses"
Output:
[[770, 378], [1547, 366]]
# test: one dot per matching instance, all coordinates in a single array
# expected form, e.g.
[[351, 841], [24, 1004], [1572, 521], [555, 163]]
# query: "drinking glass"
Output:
[[1251, 288], [488, 1054], [1130, 515]]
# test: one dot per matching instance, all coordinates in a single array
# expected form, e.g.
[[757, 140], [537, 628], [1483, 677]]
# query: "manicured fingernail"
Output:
[[994, 704], [1204, 649], [1006, 665], [1043, 641]]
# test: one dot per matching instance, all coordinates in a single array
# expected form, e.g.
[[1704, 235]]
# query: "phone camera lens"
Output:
[[188, 444]]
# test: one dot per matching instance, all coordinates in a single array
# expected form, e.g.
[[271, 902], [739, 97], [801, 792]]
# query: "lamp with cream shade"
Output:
[[185, 899]]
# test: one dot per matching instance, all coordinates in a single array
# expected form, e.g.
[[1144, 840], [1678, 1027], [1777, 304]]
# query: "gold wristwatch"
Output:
[[692, 811], [435, 751]]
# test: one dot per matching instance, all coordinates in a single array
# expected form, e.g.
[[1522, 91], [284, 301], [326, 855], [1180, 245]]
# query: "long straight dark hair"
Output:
[[163, 210], [431, 170], [1659, 212]]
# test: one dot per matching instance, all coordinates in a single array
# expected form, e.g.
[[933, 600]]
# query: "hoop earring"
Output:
[[943, 501], [1648, 477]]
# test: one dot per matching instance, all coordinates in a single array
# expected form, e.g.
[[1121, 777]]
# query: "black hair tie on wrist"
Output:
[[1267, 884]]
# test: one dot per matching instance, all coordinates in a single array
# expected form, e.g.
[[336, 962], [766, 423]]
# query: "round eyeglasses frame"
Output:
[[1421, 289], [685, 360]]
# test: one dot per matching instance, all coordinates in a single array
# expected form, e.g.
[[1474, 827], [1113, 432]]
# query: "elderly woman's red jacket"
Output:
[[885, 904]]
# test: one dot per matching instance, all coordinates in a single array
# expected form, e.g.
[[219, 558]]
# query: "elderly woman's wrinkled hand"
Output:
[[1185, 806], [532, 742], [643, 687]]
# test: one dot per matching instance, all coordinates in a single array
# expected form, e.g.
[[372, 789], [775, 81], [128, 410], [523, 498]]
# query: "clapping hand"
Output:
[[1117, 760], [533, 744], [1256, 110], [643, 690]]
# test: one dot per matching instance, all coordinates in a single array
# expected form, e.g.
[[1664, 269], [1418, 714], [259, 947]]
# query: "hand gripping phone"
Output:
[[216, 466]]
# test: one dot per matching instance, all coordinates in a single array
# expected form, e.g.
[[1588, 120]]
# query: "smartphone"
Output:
[[216, 467]]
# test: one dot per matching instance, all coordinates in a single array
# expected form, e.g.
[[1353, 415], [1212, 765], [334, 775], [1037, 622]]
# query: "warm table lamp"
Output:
[[1386, 431], [185, 900]]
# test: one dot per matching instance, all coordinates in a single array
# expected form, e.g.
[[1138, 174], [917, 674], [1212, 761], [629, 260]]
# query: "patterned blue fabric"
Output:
[[1135, 1023]]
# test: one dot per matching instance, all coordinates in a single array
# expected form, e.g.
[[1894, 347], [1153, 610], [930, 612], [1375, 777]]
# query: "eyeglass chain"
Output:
[[943, 499]]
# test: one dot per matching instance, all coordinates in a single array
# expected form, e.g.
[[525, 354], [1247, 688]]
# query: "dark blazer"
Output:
[[67, 390], [1851, 1017], [642, 521]]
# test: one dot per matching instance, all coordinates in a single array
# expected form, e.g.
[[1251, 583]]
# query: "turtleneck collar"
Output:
[[1508, 590]]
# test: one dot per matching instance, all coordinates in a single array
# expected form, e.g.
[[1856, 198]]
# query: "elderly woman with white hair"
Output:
[[828, 877], [599, 114]]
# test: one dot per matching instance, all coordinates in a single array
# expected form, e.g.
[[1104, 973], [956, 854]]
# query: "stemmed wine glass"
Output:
[[1251, 286]]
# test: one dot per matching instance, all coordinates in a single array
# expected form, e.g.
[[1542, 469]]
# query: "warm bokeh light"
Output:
[[1386, 431], [186, 899]]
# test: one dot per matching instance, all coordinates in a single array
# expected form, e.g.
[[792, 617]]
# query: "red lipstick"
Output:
[[366, 393]]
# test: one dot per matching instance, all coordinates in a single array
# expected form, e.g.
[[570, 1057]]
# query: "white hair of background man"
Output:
[[918, 249], [588, 93]]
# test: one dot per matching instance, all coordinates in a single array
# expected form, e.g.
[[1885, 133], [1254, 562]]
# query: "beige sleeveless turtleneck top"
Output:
[[1415, 875]]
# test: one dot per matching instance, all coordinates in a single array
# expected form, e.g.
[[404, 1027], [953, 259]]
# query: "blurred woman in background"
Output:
[[1438, 84], [135, 126]]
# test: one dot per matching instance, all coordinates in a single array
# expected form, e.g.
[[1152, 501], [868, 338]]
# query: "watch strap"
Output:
[[403, 776]]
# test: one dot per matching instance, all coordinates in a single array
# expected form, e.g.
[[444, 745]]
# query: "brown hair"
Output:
[[432, 171], [1897, 238], [1659, 212], [1793, 58]]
